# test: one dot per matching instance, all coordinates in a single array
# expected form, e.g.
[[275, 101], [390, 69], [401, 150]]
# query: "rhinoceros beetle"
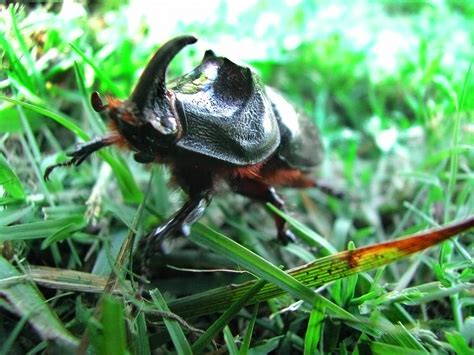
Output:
[[218, 123]]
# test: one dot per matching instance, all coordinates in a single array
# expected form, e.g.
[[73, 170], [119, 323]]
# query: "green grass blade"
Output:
[[400, 336], [59, 118], [96, 123], [9, 181], [314, 274], [309, 236], [141, 345], [128, 187], [8, 343], [180, 342], [38, 79], [244, 348], [127, 184], [18, 70], [113, 338], [14, 214], [381, 348], [41, 229], [230, 341], [104, 78], [226, 317], [222, 245], [459, 343], [454, 156], [313, 331], [28, 302], [62, 234]]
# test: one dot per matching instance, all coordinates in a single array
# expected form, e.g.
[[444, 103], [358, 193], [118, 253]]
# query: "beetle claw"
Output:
[[81, 153], [286, 236]]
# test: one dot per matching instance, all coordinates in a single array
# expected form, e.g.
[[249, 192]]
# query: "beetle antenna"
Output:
[[97, 103]]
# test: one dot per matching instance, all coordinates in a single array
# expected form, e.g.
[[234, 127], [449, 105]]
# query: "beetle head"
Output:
[[152, 102], [148, 121]]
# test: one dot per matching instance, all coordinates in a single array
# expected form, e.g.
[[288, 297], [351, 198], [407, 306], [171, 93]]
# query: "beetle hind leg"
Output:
[[81, 153], [266, 193]]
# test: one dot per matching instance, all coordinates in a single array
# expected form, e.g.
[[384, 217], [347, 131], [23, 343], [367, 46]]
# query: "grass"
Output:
[[391, 89]]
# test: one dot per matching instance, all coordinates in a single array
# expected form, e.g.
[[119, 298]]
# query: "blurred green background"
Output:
[[388, 83]]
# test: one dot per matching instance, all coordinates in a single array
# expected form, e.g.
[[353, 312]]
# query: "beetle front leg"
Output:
[[265, 193], [81, 153]]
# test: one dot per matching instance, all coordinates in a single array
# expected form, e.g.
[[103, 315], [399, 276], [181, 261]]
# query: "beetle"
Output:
[[217, 123]]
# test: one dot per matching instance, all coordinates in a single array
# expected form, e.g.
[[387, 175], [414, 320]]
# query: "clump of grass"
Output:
[[391, 90]]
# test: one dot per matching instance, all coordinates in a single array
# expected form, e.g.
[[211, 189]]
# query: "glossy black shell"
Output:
[[300, 144], [228, 114], [225, 112]]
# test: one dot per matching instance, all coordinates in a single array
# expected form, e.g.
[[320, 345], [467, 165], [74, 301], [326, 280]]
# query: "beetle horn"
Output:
[[152, 81]]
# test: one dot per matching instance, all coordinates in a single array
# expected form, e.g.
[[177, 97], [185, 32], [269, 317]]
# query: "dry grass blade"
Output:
[[27, 301]]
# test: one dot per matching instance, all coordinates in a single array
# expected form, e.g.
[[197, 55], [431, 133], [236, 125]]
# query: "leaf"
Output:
[[26, 301], [9, 181]]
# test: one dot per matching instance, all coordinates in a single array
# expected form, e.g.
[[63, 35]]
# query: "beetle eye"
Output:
[[165, 125]]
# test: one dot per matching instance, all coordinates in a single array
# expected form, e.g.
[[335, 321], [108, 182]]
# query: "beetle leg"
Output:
[[181, 222], [178, 225], [81, 153], [330, 190], [266, 193]]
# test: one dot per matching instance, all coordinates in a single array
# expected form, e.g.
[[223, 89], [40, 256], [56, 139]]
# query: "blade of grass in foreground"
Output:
[[314, 274], [27, 302], [180, 342], [112, 338], [226, 317], [9, 181], [313, 330], [59, 118], [225, 246], [244, 348], [103, 77], [128, 187]]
